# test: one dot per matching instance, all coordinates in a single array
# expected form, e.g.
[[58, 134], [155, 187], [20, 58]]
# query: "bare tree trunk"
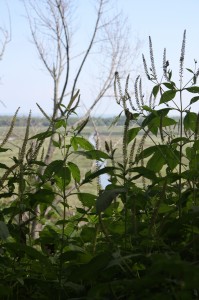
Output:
[[52, 35]]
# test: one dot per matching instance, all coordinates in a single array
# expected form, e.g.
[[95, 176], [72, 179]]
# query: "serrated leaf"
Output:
[[193, 89], [167, 96], [132, 133]]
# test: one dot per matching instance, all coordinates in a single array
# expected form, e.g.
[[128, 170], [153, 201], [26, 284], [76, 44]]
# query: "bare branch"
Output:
[[5, 36]]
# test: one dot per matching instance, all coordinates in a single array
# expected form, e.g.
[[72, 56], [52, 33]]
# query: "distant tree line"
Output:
[[42, 122]]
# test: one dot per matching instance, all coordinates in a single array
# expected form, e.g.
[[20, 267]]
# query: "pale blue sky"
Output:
[[23, 81]]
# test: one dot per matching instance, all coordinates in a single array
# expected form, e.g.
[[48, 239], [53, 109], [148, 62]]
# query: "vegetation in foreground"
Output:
[[126, 241]]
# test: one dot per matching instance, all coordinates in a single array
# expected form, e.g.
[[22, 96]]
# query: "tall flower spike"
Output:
[[140, 92], [25, 141], [117, 84], [145, 67], [165, 65], [152, 60], [136, 92], [182, 55], [127, 96], [10, 129]]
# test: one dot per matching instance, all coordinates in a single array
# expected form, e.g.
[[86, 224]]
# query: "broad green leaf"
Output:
[[74, 170], [3, 166], [42, 135], [132, 133], [163, 111], [194, 99], [162, 154], [106, 197], [4, 233], [190, 121], [156, 162], [4, 149], [81, 126], [149, 118], [63, 177], [180, 139], [87, 199], [193, 89], [169, 85], [42, 196], [142, 171], [53, 168], [92, 269], [194, 163], [82, 142], [89, 176], [146, 153], [60, 123], [196, 145], [156, 90], [147, 108], [56, 144], [171, 156], [167, 96], [94, 154], [153, 128], [88, 234], [165, 208], [165, 121]]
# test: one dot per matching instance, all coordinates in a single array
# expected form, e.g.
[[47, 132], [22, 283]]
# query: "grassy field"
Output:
[[113, 134]]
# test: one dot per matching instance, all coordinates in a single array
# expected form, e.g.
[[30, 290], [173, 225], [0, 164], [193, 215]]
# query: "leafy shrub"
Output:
[[128, 241]]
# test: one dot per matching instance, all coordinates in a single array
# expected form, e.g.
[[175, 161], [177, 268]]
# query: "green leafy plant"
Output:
[[135, 239]]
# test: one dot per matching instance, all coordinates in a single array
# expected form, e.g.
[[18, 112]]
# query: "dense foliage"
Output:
[[129, 241]]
